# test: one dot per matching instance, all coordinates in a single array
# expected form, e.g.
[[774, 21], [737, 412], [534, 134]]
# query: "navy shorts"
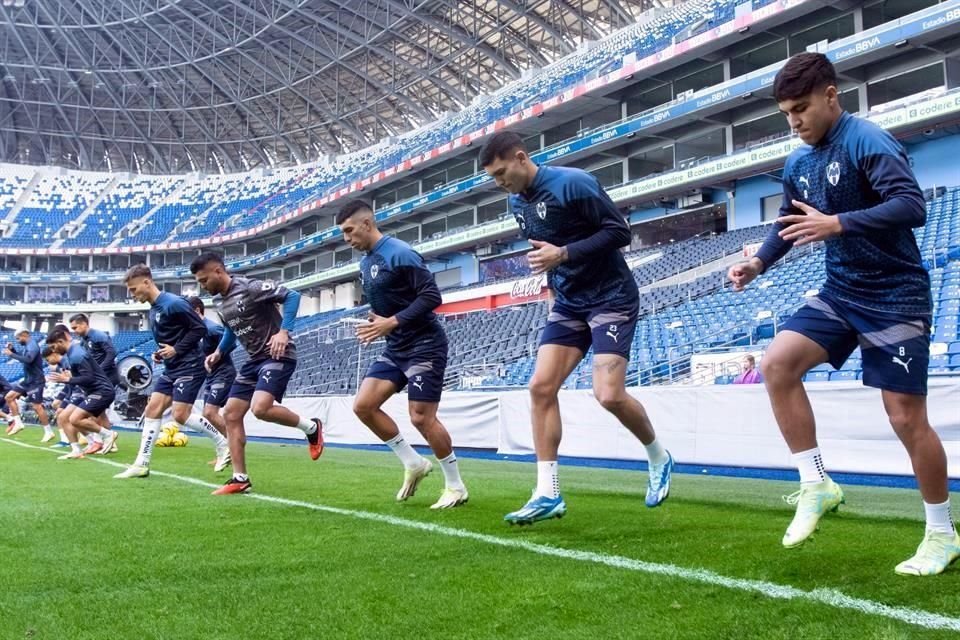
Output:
[[32, 393], [607, 330], [217, 388], [97, 402], [264, 374], [182, 386], [420, 370], [74, 396], [895, 348]]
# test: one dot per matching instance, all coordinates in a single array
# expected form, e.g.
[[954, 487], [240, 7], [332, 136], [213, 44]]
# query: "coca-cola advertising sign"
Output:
[[528, 287]]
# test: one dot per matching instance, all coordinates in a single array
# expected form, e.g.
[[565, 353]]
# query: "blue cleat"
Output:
[[537, 509], [658, 485]]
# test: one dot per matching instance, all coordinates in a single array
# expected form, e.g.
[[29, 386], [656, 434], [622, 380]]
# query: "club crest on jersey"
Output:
[[240, 306], [374, 270], [542, 210], [833, 173]]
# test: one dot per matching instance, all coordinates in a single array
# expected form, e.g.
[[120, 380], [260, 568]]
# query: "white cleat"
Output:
[[134, 471], [15, 428], [451, 497], [48, 437], [222, 462], [73, 455], [412, 478], [109, 444]]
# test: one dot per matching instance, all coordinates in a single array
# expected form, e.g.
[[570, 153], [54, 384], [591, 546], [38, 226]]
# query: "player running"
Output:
[[248, 309], [82, 372], [576, 232], [221, 377], [851, 186], [403, 294], [100, 345], [30, 387], [178, 331]]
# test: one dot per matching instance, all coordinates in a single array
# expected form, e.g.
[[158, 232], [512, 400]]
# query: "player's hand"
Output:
[[59, 376], [165, 352], [375, 327], [56, 405], [211, 361], [7, 351], [743, 273], [278, 344], [811, 227], [545, 256]]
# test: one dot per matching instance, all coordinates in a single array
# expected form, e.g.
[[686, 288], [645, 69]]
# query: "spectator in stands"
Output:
[[851, 185], [750, 374]]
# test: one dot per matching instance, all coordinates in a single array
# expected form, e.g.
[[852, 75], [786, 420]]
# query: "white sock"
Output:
[[47, 429], [408, 456], [241, 477], [938, 517], [202, 425], [548, 483], [810, 465], [75, 447], [92, 437], [656, 454], [63, 435], [151, 427], [307, 425], [105, 433], [451, 472]]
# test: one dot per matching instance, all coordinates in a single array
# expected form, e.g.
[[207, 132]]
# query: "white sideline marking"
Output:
[[830, 597]]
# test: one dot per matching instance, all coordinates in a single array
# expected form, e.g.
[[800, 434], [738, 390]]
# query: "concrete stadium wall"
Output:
[[727, 425]]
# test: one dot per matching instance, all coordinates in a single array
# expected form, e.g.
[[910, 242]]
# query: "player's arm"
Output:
[[887, 169], [194, 331], [29, 354], [428, 295], [109, 351], [82, 373], [228, 341], [612, 233], [775, 247], [217, 332]]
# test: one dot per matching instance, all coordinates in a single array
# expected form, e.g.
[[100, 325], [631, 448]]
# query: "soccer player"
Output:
[[31, 386], [576, 232], [178, 331], [221, 377], [850, 185], [82, 373], [100, 346], [248, 309], [402, 294], [5, 387]]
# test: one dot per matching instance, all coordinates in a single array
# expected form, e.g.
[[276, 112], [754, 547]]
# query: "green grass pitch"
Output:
[[87, 557]]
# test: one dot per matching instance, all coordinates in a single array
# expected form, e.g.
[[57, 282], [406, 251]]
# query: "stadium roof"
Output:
[[183, 85]]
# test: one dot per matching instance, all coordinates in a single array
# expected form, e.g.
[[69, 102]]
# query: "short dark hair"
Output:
[[803, 74], [62, 326], [56, 334], [352, 207], [196, 303], [499, 146], [138, 271], [79, 317], [204, 259], [46, 352]]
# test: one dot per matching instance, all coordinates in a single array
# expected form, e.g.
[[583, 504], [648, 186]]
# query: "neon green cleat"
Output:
[[133, 471], [813, 501], [937, 552]]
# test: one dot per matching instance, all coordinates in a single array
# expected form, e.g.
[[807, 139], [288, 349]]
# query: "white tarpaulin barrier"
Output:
[[721, 425]]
